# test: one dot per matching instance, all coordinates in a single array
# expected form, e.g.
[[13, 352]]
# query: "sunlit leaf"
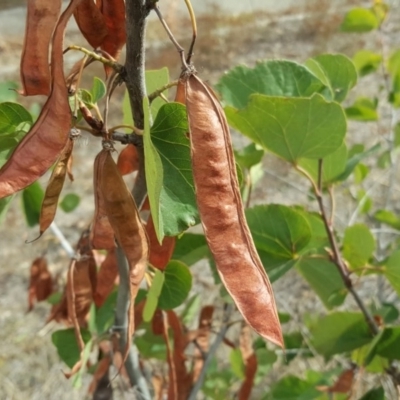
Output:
[[153, 295], [366, 61], [272, 78], [336, 71], [190, 248], [12, 115], [392, 270], [363, 109], [359, 20], [293, 128]]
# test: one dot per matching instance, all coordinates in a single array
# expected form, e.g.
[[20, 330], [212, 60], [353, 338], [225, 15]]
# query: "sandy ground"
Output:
[[29, 365]]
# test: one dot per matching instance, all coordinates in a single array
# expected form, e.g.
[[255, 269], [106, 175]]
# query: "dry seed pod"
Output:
[[124, 218], [221, 211]]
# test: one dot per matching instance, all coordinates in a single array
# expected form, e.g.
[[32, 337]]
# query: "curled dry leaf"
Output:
[[106, 278], [221, 211], [54, 187], [128, 160], [91, 22], [250, 362], [203, 340], [160, 254], [102, 369], [102, 233], [124, 218], [41, 19], [40, 283], [40, 148], [343, 384]]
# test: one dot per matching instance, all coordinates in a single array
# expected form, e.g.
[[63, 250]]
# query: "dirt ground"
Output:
[[29, 365]]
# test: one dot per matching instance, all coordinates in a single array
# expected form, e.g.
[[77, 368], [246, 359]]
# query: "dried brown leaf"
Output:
[[41, 19], [40, 148], [222, 214], [40, 283], [343, 384]]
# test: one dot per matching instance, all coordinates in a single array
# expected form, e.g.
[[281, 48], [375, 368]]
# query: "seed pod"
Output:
[[124, 218], [222, 214], [54, 187]]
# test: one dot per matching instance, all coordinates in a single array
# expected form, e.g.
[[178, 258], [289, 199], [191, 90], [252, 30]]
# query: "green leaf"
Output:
[[294, 341], [293, 128], [177, 208], [237, 364], [77, 378], [154, 173], [388, 344], [387, 311], [272, 78], [150, 345], [366, 62], [275, 265], [155, 79], [392, 270], [55, 298], [293, 388], [336, 71], [13, 115], [177, 285], [363, 109], [340, 332], [32, 198], [278, 230], [190, 248], [333, 165], [388, 217], [70, 202], [374, 394], [359, 20], [324, 279], [8, 91], [98, 90], [153, 295], [106, 313], [249, 156], [372, 363], [358, 245], [66, 345]]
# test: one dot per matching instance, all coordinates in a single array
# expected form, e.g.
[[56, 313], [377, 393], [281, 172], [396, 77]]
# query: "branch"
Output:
[[121, 321], [218, 340]]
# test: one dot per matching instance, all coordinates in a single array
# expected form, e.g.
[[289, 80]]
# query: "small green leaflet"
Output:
[[11, 116], [392, 270], [273, 78], [292, 128], [32, 198], [359, 20], [98, 90], [358, 245], [177, 285], [336, 71], [366, 62], [153, 295], [154, 173], [70, 202]]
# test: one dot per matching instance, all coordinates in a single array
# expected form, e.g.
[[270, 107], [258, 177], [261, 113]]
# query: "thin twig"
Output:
[[158, 92], [194, 28], [121, 321], [218, 340], [63, 240]]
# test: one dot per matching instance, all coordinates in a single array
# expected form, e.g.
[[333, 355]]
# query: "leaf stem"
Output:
[[158, 92]]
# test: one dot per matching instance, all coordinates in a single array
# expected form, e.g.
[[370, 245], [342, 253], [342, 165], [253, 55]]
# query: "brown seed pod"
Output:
[[221, 211]]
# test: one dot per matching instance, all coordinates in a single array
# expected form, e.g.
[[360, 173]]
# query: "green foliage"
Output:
[[360, 20], [70, 202], [32, 198], [292, 128], [176, 287], [153, 295]]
